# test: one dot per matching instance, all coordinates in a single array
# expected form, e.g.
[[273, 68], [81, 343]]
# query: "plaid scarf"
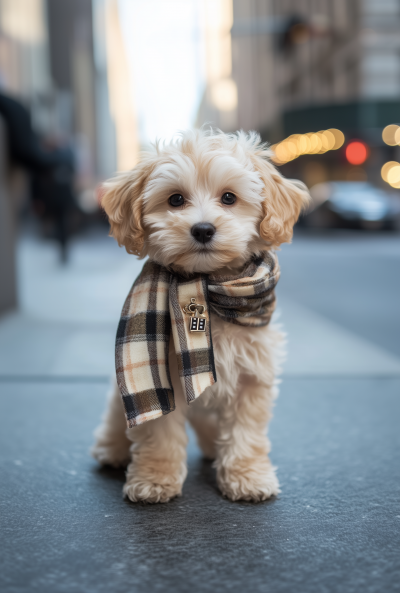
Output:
[[156, 304]]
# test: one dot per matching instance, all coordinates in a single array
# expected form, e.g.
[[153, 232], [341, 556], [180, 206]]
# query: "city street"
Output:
[[335, 435], [86, 89]]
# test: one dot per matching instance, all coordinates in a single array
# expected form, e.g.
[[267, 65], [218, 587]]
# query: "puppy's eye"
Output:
[[228, 199], [176, 200]]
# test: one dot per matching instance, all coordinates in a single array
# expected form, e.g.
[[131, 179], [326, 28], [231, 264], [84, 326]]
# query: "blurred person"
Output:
[[51, 168]]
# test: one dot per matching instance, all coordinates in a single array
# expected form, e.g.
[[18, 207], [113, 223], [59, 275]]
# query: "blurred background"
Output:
[[85, 84]]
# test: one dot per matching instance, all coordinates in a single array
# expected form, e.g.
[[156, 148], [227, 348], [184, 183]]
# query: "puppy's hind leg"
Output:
[[112, 444]]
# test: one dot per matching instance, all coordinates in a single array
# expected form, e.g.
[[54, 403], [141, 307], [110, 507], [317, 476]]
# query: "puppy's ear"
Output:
[[122, 202], [284, 200]]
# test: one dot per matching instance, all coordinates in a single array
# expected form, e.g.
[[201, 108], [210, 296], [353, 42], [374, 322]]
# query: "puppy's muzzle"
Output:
[[203, 232]]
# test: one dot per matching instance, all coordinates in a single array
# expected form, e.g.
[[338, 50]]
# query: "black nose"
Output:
[[203, 232]]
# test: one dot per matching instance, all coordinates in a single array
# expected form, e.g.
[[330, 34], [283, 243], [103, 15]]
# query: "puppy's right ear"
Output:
[[122, 202]]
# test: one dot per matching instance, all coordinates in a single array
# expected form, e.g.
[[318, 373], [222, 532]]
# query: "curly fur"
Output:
[[231, 417]]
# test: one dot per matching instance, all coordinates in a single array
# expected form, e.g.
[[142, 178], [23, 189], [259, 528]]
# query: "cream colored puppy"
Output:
[[226, 184]]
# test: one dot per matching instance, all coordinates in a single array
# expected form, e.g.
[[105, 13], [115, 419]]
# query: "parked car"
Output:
[[352, 203]]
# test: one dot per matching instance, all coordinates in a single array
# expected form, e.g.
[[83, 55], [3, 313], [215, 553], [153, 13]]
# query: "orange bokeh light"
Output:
[[356, 153]]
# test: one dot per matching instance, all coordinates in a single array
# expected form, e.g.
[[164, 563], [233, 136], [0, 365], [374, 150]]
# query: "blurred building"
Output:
[[219, 102], [25, 73], [302, 66], [308, 54], [24, 51], [64, 59], [72, 68]]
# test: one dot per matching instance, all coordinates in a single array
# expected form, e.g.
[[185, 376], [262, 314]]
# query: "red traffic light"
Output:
[[356, 152]]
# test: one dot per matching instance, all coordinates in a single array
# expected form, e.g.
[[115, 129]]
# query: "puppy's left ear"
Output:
[[283, 202]]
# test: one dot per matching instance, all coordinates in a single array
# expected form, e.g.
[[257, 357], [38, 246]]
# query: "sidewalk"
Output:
[[68, 318], [335, 437]]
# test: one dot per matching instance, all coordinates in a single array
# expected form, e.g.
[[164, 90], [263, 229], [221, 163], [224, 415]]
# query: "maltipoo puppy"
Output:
[[195, 339]]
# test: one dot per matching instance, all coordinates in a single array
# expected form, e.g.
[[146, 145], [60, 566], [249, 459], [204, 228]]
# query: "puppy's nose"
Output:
[[203, 232]]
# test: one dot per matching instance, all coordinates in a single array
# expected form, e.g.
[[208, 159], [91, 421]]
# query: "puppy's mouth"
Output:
[[203, 249], [198, 247]]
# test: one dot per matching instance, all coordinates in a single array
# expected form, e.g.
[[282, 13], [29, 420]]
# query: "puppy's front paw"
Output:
[[153, 485], [255, 482]]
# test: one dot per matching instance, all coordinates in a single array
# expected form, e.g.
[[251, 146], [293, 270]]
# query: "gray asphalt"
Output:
[[350, 278], [336, 441]]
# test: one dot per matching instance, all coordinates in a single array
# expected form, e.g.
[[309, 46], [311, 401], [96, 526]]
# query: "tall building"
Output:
[[66, 60], [72, 65], [307, 65], [24, 54], [219, 102]]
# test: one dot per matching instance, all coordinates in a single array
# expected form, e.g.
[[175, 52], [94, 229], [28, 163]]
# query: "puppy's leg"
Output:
[[205, 423], [112, 444], [158, 467], [244, 471]]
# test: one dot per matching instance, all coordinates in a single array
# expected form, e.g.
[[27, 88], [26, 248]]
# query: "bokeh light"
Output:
[[386, 168], [303, 144], [390, 173], [391, 135], [315, 143], [330, 139], [311, 143], [324, 142], [356, 153], [339, 138], [394, 175]]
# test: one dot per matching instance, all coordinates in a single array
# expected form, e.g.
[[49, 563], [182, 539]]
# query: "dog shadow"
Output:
[[116, 474], [206, 474]]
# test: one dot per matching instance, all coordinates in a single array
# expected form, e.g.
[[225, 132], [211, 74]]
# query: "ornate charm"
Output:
[[197, 321]]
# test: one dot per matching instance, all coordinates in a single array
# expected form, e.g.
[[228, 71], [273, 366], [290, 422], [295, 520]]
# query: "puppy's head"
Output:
[[203, 202]]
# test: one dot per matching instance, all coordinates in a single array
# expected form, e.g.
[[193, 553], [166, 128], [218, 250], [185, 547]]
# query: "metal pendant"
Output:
[[197, 321]]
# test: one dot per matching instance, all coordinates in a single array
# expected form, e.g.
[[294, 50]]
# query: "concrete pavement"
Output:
[[336, 525]]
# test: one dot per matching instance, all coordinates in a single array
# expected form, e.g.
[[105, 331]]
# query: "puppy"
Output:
[[228, 182]]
